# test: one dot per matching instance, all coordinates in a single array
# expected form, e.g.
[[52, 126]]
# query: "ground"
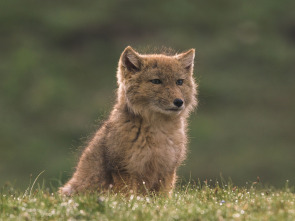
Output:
[[200, 201]]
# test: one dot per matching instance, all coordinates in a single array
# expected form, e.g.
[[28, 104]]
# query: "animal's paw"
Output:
[[66, 190]]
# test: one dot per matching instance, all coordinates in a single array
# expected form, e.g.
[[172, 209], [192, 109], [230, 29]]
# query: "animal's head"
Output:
[[157, 83]]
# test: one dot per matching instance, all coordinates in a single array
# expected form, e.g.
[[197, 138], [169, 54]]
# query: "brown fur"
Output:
[[139, 148]]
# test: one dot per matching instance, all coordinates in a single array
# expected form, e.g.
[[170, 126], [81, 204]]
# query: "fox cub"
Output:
[[143, 142]]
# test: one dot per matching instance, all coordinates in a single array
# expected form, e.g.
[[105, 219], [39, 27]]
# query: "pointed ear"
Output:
[[130, 59], [187, 59]]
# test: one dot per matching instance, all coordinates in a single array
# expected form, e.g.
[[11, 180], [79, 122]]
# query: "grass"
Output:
[[190, 202]]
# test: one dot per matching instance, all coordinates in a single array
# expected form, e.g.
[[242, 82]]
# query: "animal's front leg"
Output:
[[125, 184], [167, 185]]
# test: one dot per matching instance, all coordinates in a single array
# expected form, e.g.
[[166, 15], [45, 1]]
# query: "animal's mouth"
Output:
[[174, 109]]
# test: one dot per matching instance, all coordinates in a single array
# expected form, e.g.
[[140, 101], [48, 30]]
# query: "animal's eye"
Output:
[[156, 81], [179, 82]]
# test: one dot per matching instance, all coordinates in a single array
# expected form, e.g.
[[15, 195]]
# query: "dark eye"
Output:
[[179, 82], [156, 81]]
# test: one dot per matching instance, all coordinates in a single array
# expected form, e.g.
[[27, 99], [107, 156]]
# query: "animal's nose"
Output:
[[178, 102]]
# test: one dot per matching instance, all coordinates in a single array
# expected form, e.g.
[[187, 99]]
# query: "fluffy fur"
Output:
[[143, 142]]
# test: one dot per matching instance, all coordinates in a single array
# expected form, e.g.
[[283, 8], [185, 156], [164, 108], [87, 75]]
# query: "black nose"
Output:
[[178, 102]]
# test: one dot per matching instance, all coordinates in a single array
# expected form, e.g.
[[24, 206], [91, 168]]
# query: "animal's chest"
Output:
[[155, 150]]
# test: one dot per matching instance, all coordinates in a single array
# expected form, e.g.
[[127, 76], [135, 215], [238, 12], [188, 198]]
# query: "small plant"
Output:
[[202, 201]]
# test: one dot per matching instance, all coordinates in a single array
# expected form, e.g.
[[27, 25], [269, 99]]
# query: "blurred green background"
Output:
[[58, 61]]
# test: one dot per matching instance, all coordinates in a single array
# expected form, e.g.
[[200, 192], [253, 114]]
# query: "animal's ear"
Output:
[[187, 59], [130, 59]]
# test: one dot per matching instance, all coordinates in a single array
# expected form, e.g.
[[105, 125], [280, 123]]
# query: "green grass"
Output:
[[192, 202]]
